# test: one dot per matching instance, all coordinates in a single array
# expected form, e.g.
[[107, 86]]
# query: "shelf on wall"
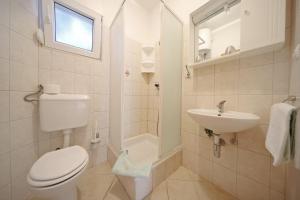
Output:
[[148, 48], [148, 63], [216, 60], [147, 72], [148, 66]]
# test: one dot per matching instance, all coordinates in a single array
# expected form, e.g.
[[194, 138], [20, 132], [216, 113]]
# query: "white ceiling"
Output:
[[148, 4]]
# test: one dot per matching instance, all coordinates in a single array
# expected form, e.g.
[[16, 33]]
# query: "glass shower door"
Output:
[[171, 65]]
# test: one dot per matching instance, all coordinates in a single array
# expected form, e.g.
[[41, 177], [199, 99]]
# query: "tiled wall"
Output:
[[249, 84], [140, 95], [154, 95], [135, 91], [293, 180], [23, 65]]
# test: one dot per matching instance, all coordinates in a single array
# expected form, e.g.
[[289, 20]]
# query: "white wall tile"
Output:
[[20, 188], [4, 137], [257, 104], [278, 178], [4, 106], [248, 189], [4, 170], [281, 78], [205, 81], [4, 38], [23, 132], [101, 103], [228, 157], [81, 84], [22, 160], [30, 6], [256, 80], [257, 60], [45, 58], [4, 12], [64, 79], [23, 77], [84, 65], [5, 192], [254, 139], [225, 178], [254, 166], [23, 50], [22, 20], [4, 74], [63, 61], [44, 76], [226, 78]]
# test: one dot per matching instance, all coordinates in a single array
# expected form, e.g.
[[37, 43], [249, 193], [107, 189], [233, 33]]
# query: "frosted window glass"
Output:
[[73, 28]]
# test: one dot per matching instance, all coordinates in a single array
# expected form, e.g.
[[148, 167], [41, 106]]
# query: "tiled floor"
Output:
[[99, 183]]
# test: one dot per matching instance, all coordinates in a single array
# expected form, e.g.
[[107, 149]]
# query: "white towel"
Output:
[[278, 136], [125, 167], [297, 142]]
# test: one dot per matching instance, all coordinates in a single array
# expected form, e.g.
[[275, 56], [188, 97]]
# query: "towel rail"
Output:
[[291, 99]]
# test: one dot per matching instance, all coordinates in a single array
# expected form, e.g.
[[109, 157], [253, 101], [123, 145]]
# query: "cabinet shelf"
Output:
[[216, 60]]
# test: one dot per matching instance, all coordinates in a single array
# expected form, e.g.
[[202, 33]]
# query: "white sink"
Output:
[[228, 122]]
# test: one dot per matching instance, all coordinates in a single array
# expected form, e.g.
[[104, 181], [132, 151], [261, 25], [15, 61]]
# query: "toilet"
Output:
[[54, 175]]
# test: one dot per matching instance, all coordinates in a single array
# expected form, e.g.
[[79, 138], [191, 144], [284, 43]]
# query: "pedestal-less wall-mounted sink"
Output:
[[228, 122]]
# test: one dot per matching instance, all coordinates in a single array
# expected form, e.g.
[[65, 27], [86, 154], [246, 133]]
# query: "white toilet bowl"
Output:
[[54, 175]]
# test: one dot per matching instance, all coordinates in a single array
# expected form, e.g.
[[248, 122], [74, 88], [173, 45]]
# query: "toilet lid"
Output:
[[56, 164]]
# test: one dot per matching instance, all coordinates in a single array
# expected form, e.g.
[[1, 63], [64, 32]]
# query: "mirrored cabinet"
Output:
[[223, 30]]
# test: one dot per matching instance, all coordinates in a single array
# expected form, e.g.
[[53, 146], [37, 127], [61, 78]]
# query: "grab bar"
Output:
[[28, 98]]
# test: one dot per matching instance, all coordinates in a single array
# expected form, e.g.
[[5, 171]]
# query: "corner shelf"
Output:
[[148, 66], [148, 48], [217, 60]]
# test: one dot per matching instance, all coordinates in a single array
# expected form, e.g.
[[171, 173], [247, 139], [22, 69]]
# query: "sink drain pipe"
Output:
[[217, 146]]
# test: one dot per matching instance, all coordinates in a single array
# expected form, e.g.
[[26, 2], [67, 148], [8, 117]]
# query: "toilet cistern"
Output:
[[63, 112]]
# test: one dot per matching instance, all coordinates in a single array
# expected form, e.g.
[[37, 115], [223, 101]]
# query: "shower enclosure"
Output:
[[145, 79], [137, 106]]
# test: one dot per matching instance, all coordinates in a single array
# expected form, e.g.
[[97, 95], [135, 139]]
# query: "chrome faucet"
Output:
[[220, 107]]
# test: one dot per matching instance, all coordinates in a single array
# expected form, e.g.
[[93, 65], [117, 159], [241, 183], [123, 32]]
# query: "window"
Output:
[[72, 27]]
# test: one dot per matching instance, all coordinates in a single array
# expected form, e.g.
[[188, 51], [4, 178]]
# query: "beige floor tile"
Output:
[[184, 174], [179, 190], [159, 193], [104, 168], [206, 190], [94, 186], [117, 192], [98, 183]]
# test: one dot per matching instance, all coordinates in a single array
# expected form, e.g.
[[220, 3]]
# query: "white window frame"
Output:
[[49, 27]]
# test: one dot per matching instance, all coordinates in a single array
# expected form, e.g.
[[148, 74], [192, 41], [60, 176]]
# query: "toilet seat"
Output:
[[57, 166]]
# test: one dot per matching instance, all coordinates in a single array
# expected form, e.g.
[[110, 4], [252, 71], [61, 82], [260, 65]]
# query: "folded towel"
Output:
[[125, 167], [278, 140], [297, 142]]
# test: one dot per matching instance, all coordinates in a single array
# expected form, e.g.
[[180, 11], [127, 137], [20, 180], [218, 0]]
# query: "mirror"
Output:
[[217, 31]]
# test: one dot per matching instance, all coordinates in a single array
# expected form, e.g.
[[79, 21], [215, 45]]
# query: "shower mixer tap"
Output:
[[156, 85]]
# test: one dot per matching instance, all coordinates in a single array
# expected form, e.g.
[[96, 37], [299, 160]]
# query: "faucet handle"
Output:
[[221, 103]]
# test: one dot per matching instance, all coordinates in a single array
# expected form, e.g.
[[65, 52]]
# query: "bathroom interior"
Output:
[[149, 99]]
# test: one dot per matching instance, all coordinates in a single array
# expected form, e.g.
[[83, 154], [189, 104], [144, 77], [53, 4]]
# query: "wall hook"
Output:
[[188, 73]]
